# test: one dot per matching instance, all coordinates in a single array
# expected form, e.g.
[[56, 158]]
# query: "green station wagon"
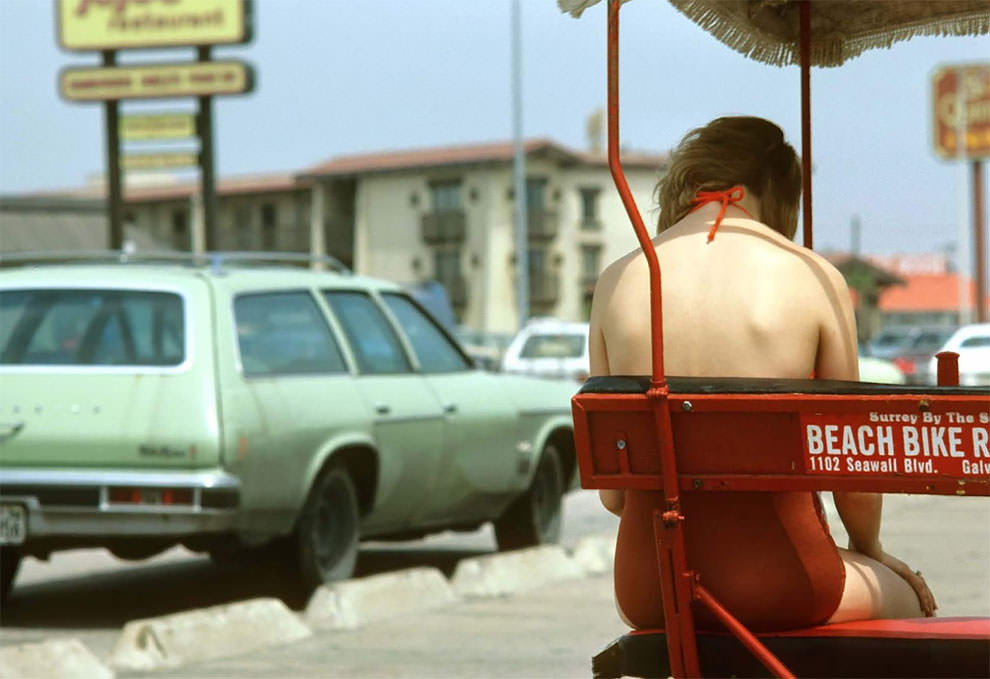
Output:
[[223, 404]]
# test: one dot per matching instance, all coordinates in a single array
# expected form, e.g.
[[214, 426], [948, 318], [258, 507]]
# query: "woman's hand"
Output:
[[913, 578]]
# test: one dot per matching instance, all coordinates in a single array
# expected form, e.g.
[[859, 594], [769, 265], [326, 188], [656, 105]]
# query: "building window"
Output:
[[536, 193], [591, 262], [268, 228], [589, 209], [446, 196], [180, 229], [243, 235]]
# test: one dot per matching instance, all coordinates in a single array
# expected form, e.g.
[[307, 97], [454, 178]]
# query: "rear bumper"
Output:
[[77, 503]]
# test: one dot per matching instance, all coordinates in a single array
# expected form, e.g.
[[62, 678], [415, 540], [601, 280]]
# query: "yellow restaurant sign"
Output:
[[159, 161], [155, 81], [157, 126], [122, 24]]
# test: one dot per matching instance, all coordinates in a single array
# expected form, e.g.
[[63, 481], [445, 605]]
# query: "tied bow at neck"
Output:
[[726, 198]]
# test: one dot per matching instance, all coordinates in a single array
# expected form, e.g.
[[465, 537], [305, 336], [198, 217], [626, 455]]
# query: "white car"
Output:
[[547, 347], [972, 343]]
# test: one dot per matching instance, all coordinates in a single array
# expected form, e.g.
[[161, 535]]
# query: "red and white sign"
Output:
[[882, 443], [961, 98]]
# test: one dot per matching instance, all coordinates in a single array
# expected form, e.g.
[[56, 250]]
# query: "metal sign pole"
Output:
[[979, 244], [207, 179], [114, 192]]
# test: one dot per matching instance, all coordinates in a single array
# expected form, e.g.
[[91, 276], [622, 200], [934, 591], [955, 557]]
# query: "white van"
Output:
[[547, 347]]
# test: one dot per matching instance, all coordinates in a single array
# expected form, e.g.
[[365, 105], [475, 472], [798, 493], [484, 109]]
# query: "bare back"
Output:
[[750, 303]]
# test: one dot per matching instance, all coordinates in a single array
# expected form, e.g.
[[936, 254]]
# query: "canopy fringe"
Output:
[[826, 50]]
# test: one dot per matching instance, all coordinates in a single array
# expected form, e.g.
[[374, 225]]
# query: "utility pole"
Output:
[[519, 173]]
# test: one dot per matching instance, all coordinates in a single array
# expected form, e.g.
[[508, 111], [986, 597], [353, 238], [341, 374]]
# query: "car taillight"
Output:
[[150, 496], [905, 365]]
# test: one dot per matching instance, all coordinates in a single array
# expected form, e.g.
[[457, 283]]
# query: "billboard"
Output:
[[961, 99], [123, 24], [159, 161], [157, 126], [156, 81]]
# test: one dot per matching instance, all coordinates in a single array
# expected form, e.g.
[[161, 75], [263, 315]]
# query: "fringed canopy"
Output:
[[768, 30]]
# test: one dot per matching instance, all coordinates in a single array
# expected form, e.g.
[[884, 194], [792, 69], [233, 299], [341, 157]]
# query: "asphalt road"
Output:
[[551, 632], [89, 594]]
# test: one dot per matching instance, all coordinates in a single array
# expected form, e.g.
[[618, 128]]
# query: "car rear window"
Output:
[[974, 342], [91, 327], [560, 345]]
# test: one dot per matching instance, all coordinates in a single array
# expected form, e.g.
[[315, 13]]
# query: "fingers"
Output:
[[925, 596], [917, 581]]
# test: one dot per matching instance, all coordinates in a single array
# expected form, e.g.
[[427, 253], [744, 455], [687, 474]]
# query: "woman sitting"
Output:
[[740, 299]]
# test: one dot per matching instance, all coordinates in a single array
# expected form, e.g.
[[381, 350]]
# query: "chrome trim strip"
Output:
[[211, 478]]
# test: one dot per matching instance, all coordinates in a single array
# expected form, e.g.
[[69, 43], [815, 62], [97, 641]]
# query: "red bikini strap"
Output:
[[730, 197]]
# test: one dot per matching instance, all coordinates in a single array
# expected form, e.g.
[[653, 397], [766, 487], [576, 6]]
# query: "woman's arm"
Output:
[[613, 500], [860, 512]]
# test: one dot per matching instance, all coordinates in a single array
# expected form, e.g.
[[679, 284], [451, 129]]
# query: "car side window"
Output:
[[284, 333], [375, 344], [976, 341], [435, 352]]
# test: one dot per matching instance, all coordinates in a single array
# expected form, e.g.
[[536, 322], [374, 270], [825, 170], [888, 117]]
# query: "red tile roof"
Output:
[[184, 189], [927, 292], [499, 152]]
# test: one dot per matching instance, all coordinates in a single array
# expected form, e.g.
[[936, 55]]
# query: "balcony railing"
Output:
[[457, 290], [544, 287], [542, 224], [447, 226]]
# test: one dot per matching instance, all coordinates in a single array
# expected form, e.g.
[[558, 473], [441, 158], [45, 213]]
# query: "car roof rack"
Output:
[[215, 260]]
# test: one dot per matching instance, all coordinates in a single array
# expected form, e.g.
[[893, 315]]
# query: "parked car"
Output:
[[914, 354], [879, 370], [222, 407], [972, 343], [486, 348], [547, 347], [888, 340]]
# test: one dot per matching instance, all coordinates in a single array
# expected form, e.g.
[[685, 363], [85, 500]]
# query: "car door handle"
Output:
[[9, 431], [383, 408], [449, 408]]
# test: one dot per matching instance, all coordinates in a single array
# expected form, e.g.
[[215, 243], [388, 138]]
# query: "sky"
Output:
[[343, 76]]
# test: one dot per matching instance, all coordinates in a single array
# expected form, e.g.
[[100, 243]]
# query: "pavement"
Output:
[[485, 620]]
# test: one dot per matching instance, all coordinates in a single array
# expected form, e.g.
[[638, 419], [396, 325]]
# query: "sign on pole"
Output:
[[123, 24], [961, 98], [156, 81], [157, 126], [159, 161]]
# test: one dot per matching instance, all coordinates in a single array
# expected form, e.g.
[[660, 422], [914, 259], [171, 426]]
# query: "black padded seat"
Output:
[[637, 384], [866, 652]]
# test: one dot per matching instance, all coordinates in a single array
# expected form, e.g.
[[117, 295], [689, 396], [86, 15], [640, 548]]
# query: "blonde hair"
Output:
[[729, 151]]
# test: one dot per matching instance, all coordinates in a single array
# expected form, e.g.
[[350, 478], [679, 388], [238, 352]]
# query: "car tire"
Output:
[[534, 518], [10, 561], [328, 532]]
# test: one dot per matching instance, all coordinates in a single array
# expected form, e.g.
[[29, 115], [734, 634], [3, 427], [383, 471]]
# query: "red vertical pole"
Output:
[[619, 177], [979, 244], [805, 51]]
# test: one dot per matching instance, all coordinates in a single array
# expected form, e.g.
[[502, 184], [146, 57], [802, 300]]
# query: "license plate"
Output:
[[13, 524]]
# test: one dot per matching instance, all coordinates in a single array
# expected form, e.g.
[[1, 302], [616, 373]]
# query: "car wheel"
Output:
[[534, 518], [328, 531], [10, 561]]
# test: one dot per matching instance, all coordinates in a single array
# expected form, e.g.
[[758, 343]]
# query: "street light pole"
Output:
[[519, 173]]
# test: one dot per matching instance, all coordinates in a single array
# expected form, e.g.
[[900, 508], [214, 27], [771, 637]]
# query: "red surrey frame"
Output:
[[625, 437]]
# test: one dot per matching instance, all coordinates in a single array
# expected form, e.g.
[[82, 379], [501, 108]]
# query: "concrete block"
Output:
[[51, 659], [352, 603], [595, 554], [510, 572], [205, 634]]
